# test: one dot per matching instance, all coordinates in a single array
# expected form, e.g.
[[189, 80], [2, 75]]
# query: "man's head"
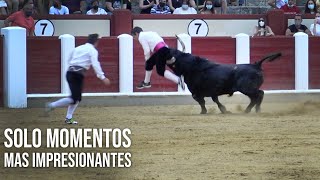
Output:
[[297, 20], [162, 3], [136, 31], [28, 9], [95, 4], [93, 39], [185, 4], [57, 3], [291, 3]]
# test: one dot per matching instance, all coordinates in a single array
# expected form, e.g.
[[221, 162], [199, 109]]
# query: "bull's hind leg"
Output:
[[253, 99], [202, 102], [259, 101], [221, 107]]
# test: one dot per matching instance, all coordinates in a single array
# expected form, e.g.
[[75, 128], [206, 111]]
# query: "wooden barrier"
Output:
[[280, 74], [43, 65], [314, 63]]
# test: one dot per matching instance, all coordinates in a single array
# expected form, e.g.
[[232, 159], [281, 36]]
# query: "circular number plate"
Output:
[[44, 27], [198, 27]]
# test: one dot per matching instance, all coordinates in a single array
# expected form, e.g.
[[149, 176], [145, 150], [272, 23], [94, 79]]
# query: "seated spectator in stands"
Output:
[[290, 8], [22, 19], [262, 29], [216, 4], [277, 3], [297, 27], [310, 7], [3, 7], [96, 10], [162, 8], [145, 6], [58, 8], [185, 8], [111, 5], [208, 7], [12, 6], [315, 27]]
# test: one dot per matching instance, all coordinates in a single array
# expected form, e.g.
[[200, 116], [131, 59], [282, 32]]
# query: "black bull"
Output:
[[208, 79]]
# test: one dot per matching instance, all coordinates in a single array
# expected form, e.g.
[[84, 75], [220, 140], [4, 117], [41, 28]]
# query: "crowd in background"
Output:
[[62, 7], [20, 11]]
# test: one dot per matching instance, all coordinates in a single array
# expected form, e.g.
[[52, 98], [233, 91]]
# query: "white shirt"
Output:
[[99, 12], [85, 56], [190, 10], [317, 29], [148, 41], [62, 11]]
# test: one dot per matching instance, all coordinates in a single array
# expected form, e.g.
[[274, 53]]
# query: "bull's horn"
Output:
[[171, 61], [182, 43]]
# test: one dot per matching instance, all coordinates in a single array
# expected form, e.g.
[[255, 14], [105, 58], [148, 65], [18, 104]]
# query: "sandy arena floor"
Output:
[[175, 142]]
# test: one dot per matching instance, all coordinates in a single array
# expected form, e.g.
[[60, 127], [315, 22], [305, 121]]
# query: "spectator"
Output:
[[111, 5], [297, 27], [58, 8], [262, 29], [185, 8], [315, 27], [12, 6], [173, 4], [162, 8], [277, 3], [95, 9], [208, 7], [216, 4], [146, 5], [290, 8], [310, 7], [22, 19], [3, 7]]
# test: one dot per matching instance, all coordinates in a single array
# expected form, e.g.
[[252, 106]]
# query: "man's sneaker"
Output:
[[144, 85], [70, 121], [181, 83]]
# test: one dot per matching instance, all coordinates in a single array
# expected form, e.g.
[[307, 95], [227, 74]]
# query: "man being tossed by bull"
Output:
[[155, 53]]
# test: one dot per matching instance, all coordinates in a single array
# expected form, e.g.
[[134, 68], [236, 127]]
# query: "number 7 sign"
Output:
[[198, 27], [44, 27]]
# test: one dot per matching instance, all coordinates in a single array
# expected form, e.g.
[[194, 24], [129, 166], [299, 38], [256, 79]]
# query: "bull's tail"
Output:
[[182, 43], [269, 58]]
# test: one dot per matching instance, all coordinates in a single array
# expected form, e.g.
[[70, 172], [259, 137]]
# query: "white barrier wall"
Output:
[[242, 48], [301, 61], [67, 46], [15, 67], [125, 63], [15, 89]]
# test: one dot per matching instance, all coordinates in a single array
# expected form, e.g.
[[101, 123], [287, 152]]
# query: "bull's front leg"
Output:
[[202, 102], [221, 107]]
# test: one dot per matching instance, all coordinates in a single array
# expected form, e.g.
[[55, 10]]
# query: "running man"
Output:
[[80, 61]]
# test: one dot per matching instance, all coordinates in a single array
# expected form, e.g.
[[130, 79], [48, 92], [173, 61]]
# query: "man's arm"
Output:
[[109, 6], [288, 32], [9, 20]]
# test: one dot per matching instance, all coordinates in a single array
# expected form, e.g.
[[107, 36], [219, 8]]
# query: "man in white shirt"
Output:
[[155, 51], [58, 8], [80, 61], [95, 10]]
